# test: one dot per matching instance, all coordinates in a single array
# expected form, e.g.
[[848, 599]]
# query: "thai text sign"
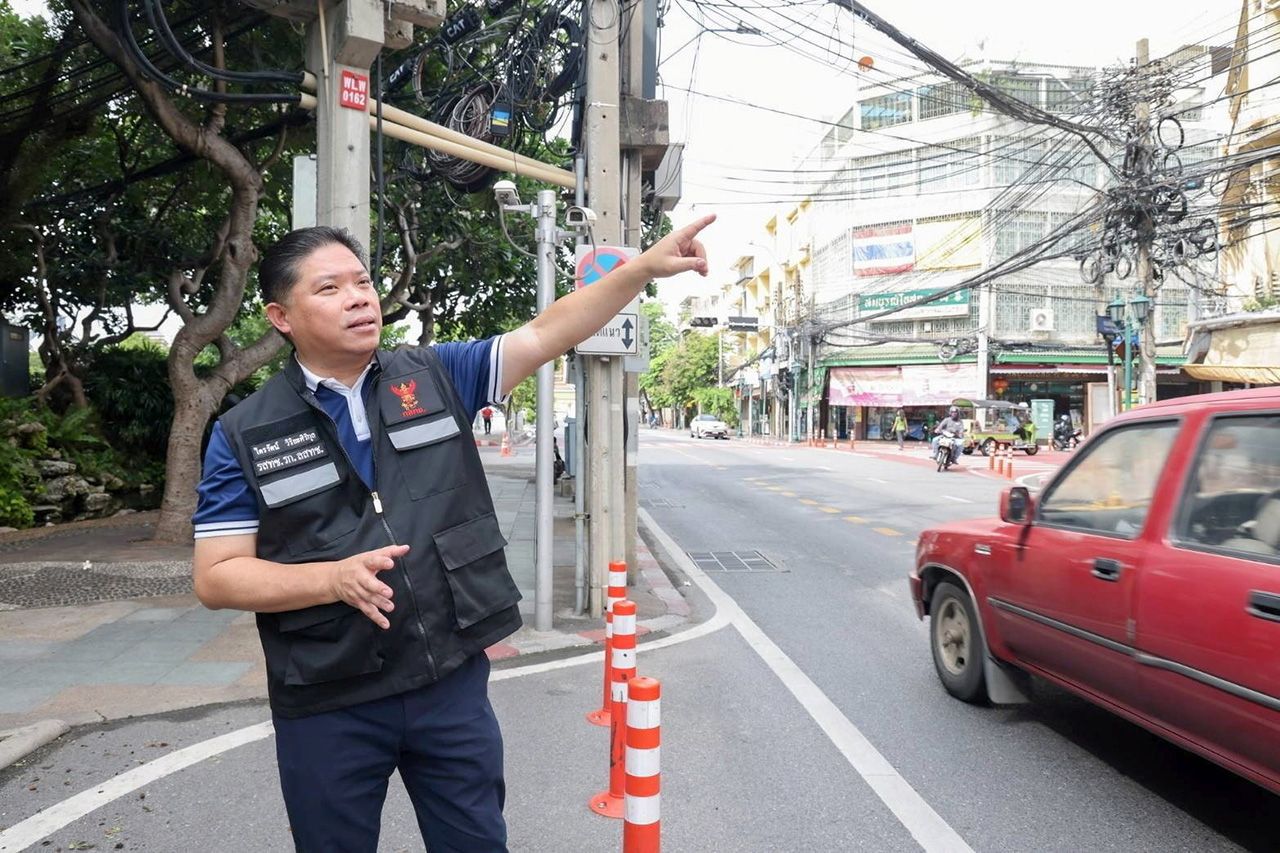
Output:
[[952, 305]]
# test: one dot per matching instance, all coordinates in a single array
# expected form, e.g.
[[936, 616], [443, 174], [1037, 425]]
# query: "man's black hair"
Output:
[[278, 269]]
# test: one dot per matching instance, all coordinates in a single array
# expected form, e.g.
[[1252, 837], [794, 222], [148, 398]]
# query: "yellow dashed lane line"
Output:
[[886, 531], [856, 519], [829, 509], [808, 502], [788, 494]]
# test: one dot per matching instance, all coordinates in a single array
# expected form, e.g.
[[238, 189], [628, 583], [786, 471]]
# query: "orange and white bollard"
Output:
[[615, 592], [991, 460], [1008, 469], [610, 801], [642, 825], [600, 716], [506, 445], [999, 454]]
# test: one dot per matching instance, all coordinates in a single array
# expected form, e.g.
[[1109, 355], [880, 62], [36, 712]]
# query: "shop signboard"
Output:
[[1042, 417], [909, 385], [952, 305]]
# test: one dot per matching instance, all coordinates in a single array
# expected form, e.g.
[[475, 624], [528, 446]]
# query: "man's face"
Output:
[[332, 308]]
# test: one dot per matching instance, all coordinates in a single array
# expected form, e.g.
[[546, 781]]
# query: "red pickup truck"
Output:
[[1145, 577]]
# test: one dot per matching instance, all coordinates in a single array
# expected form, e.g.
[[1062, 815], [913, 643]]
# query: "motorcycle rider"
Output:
[[1063, 432], [950, 425]]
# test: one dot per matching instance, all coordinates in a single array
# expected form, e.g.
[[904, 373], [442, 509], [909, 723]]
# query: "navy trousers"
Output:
[[444, 740]]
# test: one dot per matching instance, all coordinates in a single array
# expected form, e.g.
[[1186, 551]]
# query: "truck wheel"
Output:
[[988, 447], [958, 647], [1032, 450]]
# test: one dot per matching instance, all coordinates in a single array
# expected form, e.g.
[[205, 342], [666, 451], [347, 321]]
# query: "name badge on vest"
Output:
[[414, 412], [290, 460]]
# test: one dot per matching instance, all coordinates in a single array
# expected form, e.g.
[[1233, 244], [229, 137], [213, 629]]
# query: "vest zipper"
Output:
[[377, 508]]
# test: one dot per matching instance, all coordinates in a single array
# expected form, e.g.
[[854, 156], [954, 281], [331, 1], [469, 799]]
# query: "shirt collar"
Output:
[[313, 380]]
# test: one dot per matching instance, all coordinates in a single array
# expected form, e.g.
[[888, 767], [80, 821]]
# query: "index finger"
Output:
[[691, 230]]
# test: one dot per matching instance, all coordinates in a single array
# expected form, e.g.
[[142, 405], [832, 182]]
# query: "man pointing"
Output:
[[346, 505]]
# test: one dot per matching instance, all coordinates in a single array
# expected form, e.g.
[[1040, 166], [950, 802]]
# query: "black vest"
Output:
[[453, 593]]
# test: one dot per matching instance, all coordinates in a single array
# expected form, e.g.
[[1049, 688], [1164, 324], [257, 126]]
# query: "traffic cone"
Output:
[[610, 802], [506, 445], [616, 591], [642, 823]]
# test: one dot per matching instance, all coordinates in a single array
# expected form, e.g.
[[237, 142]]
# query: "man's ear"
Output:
[[277, 316]]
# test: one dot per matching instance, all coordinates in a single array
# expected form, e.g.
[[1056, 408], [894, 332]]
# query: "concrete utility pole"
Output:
[[605, 501], [1146, 235], [342, 42], [632, 73]]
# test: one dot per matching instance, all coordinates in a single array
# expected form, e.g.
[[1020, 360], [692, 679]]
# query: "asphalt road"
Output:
[[768, 717], [1057, 774]]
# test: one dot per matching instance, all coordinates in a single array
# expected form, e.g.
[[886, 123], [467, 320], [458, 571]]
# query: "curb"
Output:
[[17, 744], [678, 612]]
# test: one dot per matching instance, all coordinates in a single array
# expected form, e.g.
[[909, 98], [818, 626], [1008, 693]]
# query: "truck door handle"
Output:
[[1264, 605], [1106, 569]]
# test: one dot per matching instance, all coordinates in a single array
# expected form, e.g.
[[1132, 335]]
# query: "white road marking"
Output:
[[925, 825], [876, 480], [958, 500], [22, 835]]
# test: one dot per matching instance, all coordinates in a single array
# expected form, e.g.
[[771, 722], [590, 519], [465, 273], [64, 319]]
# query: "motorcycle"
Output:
[[1065, 438], [946, 453]]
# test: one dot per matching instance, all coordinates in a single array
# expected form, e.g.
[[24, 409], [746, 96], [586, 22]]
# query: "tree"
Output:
[[208, 269]]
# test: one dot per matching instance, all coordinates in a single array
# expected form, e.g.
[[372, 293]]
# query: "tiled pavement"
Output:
[[101, 657]]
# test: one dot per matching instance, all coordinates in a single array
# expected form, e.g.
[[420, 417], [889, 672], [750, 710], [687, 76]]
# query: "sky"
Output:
[[724, 139]]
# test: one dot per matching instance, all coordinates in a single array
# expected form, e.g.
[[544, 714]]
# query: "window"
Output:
[[1014, 158], [957, 165], [1067, 96], [886, 174], [1016, 230], [886, 110], [1025, 89], [1109, 489], [942, 99], [1232, 502]]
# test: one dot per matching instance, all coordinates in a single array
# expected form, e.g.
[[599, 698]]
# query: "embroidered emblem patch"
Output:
[[409, 406]]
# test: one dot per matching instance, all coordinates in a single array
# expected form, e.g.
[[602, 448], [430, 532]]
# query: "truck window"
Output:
[[1109, 490], [1232, 501]]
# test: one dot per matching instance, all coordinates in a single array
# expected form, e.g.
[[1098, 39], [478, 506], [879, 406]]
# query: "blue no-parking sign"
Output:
[[593, 264]]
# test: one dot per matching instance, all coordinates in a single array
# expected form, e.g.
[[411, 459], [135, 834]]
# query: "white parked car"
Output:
[[704, 426]]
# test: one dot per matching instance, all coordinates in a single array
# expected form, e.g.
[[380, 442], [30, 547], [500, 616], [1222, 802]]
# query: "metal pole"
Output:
[[1111, 378], [1127, 399], [581, 469], [1146, 234], [546, 213]]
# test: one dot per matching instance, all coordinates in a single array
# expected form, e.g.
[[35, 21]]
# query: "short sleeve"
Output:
[[476, 370], [225, 503]]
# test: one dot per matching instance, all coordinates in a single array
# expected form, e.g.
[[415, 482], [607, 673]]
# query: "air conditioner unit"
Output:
[[1041, 320]]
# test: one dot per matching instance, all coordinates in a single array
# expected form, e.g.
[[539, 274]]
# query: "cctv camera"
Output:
[[505, 193], [579, 217]]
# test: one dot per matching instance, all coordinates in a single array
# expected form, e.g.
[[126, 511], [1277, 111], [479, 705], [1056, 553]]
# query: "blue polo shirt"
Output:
[[226, 505]]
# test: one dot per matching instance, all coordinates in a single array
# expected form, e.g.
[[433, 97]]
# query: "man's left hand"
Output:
[[680, 251]]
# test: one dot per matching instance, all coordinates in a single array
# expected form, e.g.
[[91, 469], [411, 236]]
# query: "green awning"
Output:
[[1166, 355], [922, 353]]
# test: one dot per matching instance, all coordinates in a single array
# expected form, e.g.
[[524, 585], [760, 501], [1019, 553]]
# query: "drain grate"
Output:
[[733, 561]]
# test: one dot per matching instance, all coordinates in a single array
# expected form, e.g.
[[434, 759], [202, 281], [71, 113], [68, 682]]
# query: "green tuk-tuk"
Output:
[[994, 424]]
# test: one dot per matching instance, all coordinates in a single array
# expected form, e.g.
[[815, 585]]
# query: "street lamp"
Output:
[[1130, 317]]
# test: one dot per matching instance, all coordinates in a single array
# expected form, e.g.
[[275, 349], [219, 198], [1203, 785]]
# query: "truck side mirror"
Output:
[[1016, 506]]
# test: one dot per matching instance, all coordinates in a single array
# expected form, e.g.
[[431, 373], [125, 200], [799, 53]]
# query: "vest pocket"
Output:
[[329, 642], [429, 456], [476, 569]]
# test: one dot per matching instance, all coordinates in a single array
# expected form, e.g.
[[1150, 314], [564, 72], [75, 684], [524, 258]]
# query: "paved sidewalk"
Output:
[[97, 622]]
